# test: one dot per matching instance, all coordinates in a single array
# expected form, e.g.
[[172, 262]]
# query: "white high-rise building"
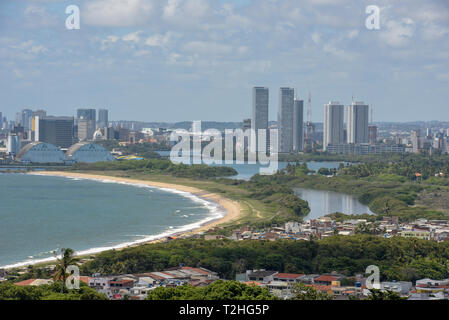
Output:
[[357, 123], [333, 125], [285, 119], [259, 111]]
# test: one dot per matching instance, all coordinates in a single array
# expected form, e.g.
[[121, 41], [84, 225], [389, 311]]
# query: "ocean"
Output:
[[41, 214]]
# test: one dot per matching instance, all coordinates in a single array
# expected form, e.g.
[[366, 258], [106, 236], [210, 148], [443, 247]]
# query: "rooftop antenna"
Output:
[[372, 117]]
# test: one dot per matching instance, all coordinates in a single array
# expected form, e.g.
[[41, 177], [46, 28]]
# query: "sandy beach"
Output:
[[232, 208]]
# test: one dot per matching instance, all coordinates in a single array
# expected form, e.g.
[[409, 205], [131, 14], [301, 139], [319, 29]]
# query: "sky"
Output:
[[176, 60]]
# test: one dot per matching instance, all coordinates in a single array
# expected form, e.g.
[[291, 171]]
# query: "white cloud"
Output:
[[162, 40], [38, 16], [117, 12], [207, 48], [187, 12], [132, 37], [398, 33]]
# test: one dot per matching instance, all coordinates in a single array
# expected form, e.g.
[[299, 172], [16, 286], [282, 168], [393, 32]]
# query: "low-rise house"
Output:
[[430, 286], [100, 284], [288, 277], [280, 289], [34, 282], [420, 234], [308, 278], [401, 287], [120, 287], [262, 275], [327, 279]]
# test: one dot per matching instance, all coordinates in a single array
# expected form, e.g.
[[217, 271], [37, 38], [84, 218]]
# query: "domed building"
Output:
[[88, 152], [98, 135], [40, 152]]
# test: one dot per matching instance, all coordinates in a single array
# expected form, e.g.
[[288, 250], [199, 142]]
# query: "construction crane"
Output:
[[310, 128]]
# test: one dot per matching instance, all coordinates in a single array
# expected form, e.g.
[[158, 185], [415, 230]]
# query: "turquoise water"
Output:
[[39, 214]]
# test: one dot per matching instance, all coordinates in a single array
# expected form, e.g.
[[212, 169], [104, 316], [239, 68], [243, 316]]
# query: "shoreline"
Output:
[[232, 211]]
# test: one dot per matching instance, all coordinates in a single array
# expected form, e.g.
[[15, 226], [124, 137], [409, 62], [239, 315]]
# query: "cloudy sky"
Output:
[[172, 60]]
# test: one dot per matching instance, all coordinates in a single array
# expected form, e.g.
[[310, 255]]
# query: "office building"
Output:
[[88, 114], [103, 120], [27, 115], [285, 119], [259, 113], [86, 129], [39, 113], [17, 118], [54, 130], [13, 144], [357, 123], [333, 126], [298, 126], [373, 134], [1, 121]]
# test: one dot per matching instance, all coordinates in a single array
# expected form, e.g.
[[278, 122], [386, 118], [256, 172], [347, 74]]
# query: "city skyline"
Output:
[[212, 52]]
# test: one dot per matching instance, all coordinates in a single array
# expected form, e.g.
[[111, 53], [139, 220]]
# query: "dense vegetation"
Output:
[[389, 188], [159, 166], [218, 290], [146, 150], [323, 156], [9, 291], [398, 258]]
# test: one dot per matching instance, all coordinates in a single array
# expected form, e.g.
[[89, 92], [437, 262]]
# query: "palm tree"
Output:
[[67, 259]]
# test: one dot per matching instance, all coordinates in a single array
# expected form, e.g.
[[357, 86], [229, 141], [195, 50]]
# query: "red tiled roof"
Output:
[[196, 270], [326, 278], [252, 283], [288, 275], [84, 279], [319, 287], [25, 282], [155, 276]]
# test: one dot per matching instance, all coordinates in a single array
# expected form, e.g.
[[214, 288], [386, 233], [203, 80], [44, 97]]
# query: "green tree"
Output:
[[67, 259], [302, 292], [218, 290], [377, 294]]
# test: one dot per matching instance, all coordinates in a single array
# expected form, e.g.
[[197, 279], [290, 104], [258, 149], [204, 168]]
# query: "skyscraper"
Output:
[[86, 129], [54, 130], [1, 121], [372, 134], [27, 114], [357, 123], [88, 114], [103, 120], [259, 111], [285, 119], [298, 126], [40, 113], [333, 124]]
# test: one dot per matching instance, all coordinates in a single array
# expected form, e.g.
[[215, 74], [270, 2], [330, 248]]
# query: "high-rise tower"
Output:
[[285, 119], [333, 124]]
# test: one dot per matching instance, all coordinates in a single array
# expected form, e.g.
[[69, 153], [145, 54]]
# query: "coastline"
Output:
[[232, 209]]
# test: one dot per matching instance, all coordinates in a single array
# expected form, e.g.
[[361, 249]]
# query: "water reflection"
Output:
[[322, 203]]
